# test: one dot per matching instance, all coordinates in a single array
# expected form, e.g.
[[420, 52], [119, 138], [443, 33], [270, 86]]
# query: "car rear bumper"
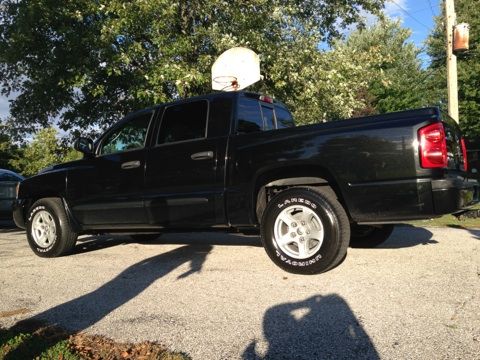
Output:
[[19, 207], [453, 195]]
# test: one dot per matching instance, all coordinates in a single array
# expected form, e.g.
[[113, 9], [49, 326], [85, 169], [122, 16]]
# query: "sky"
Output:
[[415, 14]]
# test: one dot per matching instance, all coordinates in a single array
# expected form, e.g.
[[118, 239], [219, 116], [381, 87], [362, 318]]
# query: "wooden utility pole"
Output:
[[452, 81]]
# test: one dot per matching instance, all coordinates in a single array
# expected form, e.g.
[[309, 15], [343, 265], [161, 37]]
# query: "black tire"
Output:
[[369, 236], [45, 242], [324, 211], [144, 237]]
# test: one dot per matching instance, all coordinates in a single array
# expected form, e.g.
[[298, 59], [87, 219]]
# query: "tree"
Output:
[[89, 62], [45, 150], [8, 150], [396, 80], [468, 65]]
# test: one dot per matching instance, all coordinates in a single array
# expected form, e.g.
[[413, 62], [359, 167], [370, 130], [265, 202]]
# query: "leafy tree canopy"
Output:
[[45, 150], [88, 62], [468, 65], [397, 80]]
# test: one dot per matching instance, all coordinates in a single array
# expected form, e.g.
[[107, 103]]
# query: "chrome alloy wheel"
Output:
[[298, 232], [43, 229]]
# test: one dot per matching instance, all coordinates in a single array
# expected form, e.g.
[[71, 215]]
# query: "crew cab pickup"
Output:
[[235, 161]]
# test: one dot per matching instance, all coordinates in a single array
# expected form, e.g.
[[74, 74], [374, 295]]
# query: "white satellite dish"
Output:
[[235, 69]]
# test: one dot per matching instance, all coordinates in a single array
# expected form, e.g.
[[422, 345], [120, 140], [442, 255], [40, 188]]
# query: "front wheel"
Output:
[[49, 232], [305, 231]]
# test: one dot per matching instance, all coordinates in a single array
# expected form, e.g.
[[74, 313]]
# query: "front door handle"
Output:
[[204, 155], [130, 164]]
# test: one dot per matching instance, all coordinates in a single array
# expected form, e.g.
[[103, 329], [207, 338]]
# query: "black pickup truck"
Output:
[[235, 161]]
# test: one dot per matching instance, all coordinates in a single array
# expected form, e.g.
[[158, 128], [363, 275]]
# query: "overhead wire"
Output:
[[410, 15]]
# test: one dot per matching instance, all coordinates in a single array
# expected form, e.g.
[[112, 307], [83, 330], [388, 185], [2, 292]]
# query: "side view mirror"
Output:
[[84, 145]]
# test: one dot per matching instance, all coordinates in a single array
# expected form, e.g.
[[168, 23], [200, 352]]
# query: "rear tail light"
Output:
[[266, 99], [464, 153], [433, 146]]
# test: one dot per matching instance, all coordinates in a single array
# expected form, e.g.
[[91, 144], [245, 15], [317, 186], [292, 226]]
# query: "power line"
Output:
[[431, 7], [407, 13]]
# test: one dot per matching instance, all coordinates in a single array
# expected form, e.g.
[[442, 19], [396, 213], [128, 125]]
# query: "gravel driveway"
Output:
[[217, 296]]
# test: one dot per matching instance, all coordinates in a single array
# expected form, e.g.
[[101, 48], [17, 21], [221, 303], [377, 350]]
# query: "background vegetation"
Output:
[[81, 66]]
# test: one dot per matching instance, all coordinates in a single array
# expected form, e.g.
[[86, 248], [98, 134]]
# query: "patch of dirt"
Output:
[[94, 347], [5, 314]]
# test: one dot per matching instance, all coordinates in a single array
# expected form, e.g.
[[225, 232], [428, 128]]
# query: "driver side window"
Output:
[[130, 136]]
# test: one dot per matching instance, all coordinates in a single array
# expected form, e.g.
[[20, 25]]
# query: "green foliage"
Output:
[[14, 345], [468, 65], [396, 80], [89, 62], [45, 150], [8, 150]]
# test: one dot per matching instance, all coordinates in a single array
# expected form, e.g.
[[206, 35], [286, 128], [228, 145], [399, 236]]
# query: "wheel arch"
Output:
[[292, 176]]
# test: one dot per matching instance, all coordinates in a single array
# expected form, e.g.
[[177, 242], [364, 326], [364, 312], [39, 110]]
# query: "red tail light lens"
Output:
[[433, 146], [464, 153]]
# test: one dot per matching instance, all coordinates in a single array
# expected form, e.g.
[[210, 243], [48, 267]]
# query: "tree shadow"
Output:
[[86, 310], [98, 242], [407, 236], [320, 327]]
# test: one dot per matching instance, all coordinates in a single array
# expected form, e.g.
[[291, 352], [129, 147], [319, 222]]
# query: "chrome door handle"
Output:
[[130, 164], [204, 155]]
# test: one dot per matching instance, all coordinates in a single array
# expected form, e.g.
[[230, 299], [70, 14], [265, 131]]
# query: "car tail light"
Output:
[[433, 146], [464, 153]]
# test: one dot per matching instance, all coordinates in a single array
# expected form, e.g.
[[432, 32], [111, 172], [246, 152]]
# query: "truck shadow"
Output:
[[86, 310], [407, 236], [320, 327], [98, 242]]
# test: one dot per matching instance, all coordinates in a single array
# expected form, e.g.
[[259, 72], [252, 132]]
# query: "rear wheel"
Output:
[[49, 231], [305, 231], [368, 236]]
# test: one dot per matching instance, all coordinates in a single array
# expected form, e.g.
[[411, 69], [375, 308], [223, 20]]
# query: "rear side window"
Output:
[[183, 122], [220, 114], [249, 116], [268, 118], [284, 118]]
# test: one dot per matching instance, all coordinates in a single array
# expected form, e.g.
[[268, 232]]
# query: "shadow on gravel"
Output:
[[474, 232], [408, 236], [320, 327], [8, 227], [84, 311], [94, 243]]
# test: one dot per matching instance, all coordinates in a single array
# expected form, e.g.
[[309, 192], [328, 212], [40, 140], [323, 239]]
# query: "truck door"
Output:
[[108, 189], [185, 172]]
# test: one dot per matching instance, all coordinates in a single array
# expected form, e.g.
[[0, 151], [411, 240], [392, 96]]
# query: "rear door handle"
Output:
[[204, 155], [130, 164]]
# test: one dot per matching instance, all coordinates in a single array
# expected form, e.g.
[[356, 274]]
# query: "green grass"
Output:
[[449, 221], [31, 340], [38, 345]]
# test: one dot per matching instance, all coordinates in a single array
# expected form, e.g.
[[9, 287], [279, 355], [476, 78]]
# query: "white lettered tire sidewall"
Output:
[[333, 218], [64, 238]]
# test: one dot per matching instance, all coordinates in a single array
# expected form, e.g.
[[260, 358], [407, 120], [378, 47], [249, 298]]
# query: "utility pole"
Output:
[[452, 81]]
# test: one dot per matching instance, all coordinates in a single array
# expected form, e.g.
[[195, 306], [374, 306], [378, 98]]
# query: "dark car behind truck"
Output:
[[235, 161]]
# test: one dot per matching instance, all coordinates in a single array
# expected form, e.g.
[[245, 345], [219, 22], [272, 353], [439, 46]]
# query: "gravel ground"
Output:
[[217, 296]]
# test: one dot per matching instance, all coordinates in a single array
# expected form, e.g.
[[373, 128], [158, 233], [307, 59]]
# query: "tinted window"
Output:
[[268, 118], [284, 118], [220, 115], [184, 122], [129, 136], [249, 116]]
